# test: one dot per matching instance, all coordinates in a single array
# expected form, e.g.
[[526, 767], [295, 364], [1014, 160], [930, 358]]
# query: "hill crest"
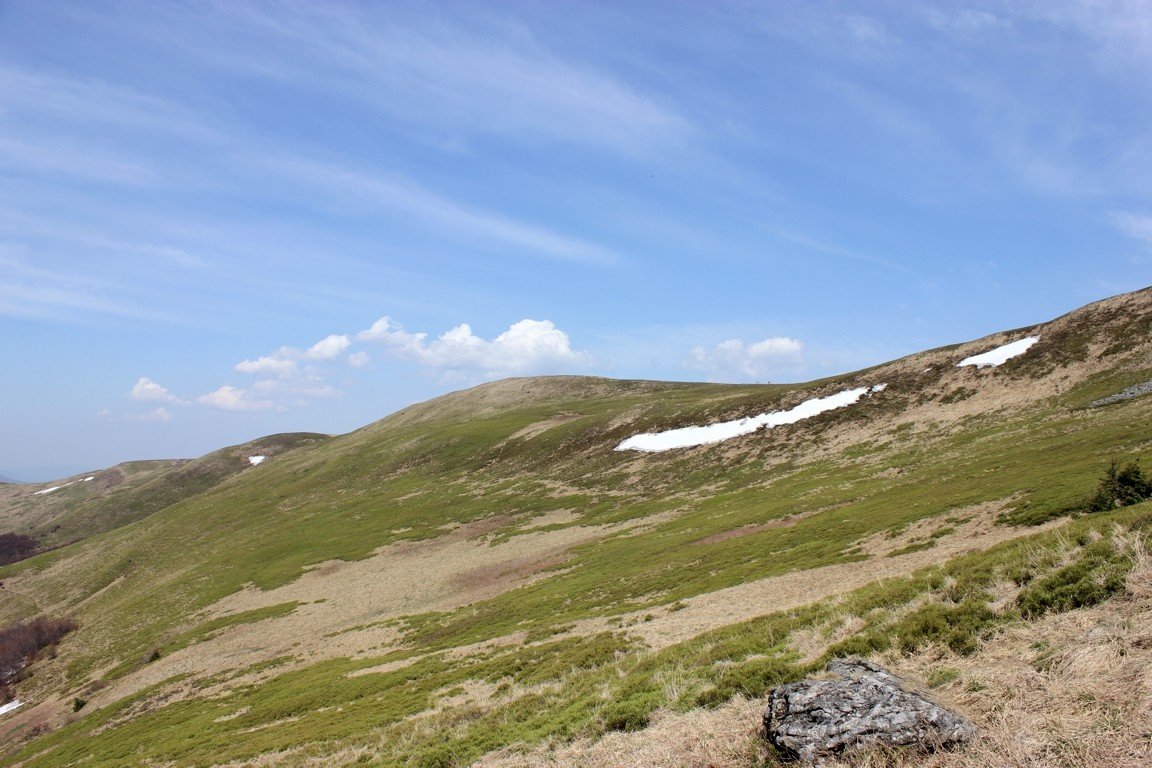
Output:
[[484, 570]]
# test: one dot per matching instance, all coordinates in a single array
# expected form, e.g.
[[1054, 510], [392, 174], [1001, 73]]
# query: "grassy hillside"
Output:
[[94, 502], [483, 574]]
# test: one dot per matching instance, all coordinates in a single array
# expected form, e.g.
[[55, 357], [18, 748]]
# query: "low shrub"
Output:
[[1097, 575], [16, 546], [753, 678], [957, 626], [630, 714], [20, 643]]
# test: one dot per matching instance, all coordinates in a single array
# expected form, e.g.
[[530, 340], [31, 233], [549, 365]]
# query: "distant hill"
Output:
[[39, 474], [488, 579], [73, 508]]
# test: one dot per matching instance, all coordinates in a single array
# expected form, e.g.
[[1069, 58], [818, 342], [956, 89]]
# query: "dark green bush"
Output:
[[1120, 487], [753, 679], [1093, 578], [441, 756], [957, 626], [862, 644], [630, 714]]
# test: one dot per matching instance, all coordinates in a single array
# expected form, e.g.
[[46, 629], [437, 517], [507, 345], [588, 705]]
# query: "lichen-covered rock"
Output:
[[864, 706]]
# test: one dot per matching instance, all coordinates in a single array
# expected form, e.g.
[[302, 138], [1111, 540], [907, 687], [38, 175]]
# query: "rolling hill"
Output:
[[72, 508], [486, 578]]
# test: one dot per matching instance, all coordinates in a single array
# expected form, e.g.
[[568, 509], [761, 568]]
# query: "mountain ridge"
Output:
[[447, 545]]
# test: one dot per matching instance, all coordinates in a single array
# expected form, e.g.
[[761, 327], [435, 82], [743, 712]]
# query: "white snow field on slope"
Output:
[[254, 460], [688, 437], [1000, 355], [49, 490], [14, 704], [64, 485]]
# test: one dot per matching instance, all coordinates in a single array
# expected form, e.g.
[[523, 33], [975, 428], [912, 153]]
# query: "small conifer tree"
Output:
[[1120, 487]]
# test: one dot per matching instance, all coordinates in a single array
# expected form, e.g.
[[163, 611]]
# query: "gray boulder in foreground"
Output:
[[865, 706]]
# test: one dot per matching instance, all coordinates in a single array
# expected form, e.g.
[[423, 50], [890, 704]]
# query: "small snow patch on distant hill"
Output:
[[254, 460], [14, 704], [62, 485], [687, 437], [1000, 355]]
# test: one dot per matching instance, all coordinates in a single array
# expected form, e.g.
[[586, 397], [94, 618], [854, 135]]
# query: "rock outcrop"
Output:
[[864, 706]]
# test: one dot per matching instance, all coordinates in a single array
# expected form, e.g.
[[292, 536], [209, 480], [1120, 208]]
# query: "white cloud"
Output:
[[282, 362], [229, 398], [275, 364], [159, 413], [328, 348], [292, 377], [298, 389], [359, 360], [393, 335], [528, 346], [754, 360], [1138, 226], [148, 391]]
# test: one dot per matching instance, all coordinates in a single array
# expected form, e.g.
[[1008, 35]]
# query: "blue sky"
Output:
[[223, 220]]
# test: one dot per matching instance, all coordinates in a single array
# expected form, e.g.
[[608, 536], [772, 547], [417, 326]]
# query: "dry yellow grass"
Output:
[[779, 593], [1068, 691]]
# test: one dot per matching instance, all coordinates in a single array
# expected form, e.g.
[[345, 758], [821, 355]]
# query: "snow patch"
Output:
[[49, 490], [14, 704], [254, 460], [687, 437], [62, 485], [1000, 355]]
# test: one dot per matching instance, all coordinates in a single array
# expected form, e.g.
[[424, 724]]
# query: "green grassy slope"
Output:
[[523, 458], [128, 491]]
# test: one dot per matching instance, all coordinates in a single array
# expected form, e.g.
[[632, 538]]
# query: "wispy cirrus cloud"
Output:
[[474, 75], [29, 290], [394, 193]]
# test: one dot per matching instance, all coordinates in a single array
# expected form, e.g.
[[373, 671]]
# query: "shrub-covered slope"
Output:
[[484, 570]]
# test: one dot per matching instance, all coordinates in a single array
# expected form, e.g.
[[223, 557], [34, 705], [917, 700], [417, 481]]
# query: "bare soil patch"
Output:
[[540, 427], [345, 607], [747, 530]]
